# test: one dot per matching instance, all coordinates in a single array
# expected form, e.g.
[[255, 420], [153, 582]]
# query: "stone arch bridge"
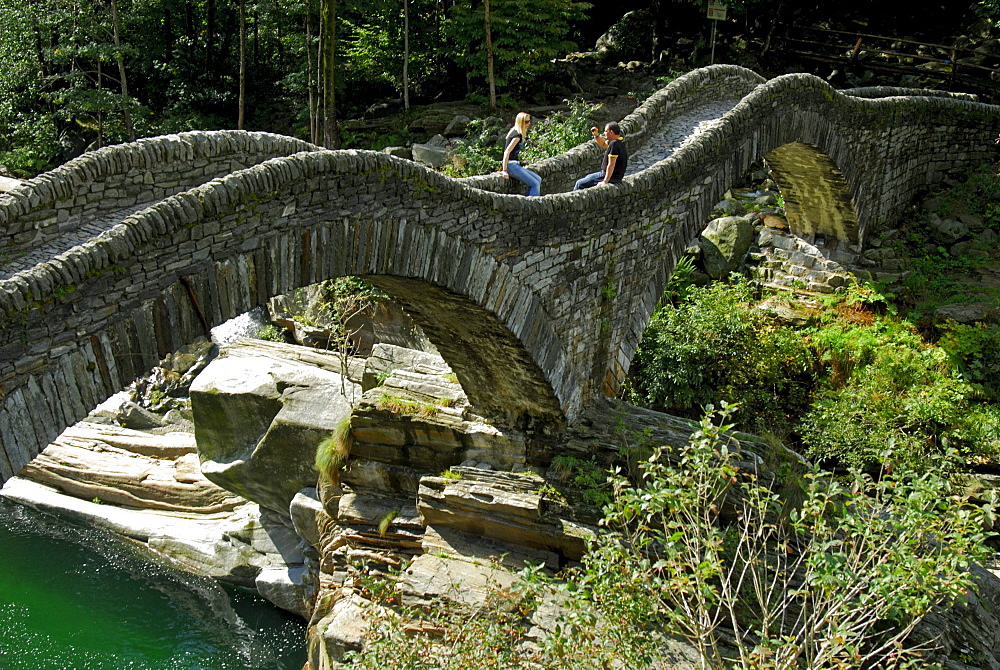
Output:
[[120, 256]]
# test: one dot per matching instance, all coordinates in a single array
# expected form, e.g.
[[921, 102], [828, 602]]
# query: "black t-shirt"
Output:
[[515, 152], [615, 148]]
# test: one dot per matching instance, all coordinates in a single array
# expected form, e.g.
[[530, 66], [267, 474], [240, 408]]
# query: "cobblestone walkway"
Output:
[[682, 131], [66, 241]]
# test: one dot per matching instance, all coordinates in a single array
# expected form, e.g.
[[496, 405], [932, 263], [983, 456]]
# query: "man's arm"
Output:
[[601, 142]]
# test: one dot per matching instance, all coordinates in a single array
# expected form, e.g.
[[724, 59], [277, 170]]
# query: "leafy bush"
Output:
[[30, 146], [839, 580], [975, 350], [481, 152], [559, 132], [711, 348], [899, 393]]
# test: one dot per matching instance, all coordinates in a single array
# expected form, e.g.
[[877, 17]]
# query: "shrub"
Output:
[[481, 152], [711, 348], [907, 395], [559, 132], [975, 350], [839, 581]]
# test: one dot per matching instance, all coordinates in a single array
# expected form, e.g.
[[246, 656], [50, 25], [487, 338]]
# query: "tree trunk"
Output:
[[406, 55], [658, 8], [328, 39], [210, 37], [489, 55], [116, 30], [310, 80], [243, 64]]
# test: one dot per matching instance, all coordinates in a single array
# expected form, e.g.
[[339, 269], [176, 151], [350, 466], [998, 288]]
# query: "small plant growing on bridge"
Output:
[[386, 522], [271, 333], [389, 402]]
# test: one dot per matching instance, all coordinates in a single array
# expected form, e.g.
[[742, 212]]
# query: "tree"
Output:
[[243, 64], [328, 80], [521, 40]]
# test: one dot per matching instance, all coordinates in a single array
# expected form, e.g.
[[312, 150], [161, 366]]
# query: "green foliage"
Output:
[[333, 450], [974, 349], [587, 478], [861, 563], [681, 282], [704, 549], [889, 388], [489, 636], [343, 298], [390, 402], [526, 37], [559, 132], [451, 474], [386, 522], [710, 348], [481, 152], [371, 34], [271, 333]]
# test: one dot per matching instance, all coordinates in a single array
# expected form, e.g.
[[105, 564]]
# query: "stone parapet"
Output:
[[537, 304]]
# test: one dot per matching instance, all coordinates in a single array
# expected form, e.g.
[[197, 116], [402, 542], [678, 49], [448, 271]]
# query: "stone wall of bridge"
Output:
[[538, 304], [126, 175]]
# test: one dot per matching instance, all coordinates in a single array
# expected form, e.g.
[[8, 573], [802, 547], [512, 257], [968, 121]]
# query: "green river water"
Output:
[[79, 599]]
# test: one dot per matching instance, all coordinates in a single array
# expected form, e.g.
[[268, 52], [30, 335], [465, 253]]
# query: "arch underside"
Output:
[[817, 197], [496, 373]]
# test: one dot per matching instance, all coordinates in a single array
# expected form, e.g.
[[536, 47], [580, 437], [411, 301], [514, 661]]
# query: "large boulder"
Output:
[[431, 155], [724, 243], [259, 420]]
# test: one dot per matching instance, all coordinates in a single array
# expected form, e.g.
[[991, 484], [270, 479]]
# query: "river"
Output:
[[75, 598]]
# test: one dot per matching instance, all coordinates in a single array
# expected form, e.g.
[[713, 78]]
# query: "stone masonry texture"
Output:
[[538, 304]]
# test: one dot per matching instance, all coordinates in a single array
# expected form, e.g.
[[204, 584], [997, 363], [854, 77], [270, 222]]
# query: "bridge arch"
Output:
[[817, 196], [565, 283]]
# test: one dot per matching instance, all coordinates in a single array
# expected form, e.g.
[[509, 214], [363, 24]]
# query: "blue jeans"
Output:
[[592, 179], [525, 175]]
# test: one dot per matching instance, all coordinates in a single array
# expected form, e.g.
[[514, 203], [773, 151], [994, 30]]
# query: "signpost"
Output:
[[716, 12]]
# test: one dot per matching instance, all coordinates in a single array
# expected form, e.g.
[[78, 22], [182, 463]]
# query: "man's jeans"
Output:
[[592, 179]]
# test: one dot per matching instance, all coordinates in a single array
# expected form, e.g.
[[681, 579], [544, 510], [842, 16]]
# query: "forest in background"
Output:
[[79, 75]]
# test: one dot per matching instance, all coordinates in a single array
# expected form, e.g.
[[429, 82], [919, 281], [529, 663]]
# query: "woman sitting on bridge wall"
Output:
[[511, 163]]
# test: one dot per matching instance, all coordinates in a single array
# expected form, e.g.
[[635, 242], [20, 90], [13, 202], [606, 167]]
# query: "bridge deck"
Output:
[[682, 131]]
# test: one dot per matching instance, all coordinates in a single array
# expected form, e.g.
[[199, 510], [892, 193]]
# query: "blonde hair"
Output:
[[521, 122]]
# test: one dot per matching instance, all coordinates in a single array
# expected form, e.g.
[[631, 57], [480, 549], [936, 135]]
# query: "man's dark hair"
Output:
[[614, 127]]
